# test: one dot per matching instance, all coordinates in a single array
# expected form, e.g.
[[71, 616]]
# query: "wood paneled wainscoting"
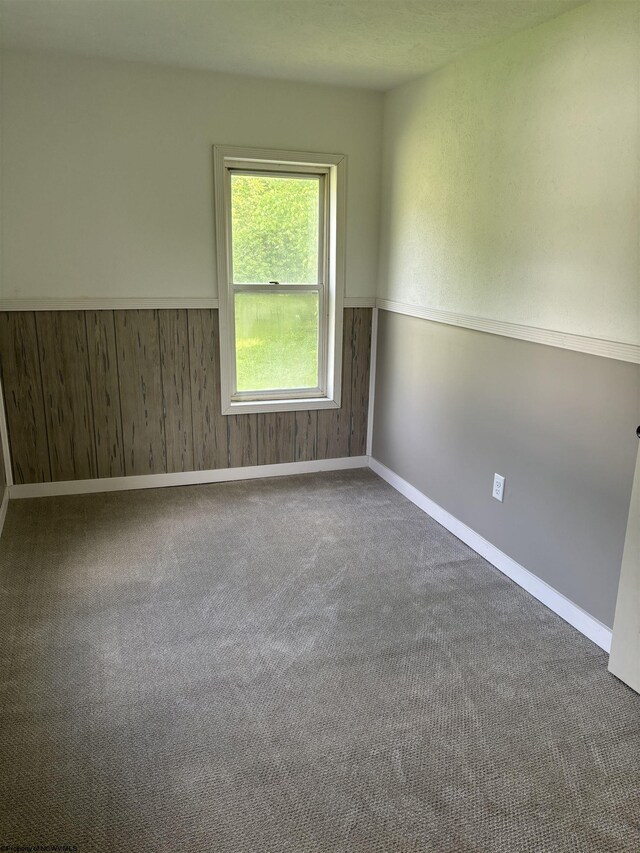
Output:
[[93, 394]]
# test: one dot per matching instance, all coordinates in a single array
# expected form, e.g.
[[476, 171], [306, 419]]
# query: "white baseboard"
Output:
[[3, 508], [184, 478], [554, 600]]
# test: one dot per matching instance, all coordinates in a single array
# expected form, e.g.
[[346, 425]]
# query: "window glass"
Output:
[[276, 340], [275, 226]]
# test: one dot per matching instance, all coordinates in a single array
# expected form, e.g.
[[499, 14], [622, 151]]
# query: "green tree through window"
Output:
[[275, 222]]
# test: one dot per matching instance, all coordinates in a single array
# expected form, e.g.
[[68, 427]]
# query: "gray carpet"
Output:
[[300, 664]]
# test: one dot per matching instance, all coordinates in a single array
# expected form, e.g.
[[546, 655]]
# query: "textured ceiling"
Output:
[[376, 44]]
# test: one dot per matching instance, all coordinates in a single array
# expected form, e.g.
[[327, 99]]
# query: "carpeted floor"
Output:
[[299, 664]]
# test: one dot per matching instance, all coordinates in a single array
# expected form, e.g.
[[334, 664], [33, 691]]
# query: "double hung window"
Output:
[[279, 235]]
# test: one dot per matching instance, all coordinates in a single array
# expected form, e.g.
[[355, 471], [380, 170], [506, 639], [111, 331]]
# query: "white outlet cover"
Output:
[[498, 487]]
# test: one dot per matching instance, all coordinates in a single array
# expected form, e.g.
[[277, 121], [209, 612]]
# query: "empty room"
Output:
[[319, 421]]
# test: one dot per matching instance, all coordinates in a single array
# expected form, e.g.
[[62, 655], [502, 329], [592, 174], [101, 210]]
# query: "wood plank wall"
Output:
[[116, 393]]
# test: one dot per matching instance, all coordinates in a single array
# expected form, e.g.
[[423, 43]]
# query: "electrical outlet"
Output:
[[498, 487]]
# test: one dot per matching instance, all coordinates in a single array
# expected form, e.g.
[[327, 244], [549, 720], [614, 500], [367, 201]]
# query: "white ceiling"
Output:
[[376, 44]]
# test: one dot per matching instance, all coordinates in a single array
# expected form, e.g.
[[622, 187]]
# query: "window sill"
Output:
[[297, 405]]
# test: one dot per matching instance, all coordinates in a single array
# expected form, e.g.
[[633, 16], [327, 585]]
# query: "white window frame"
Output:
[[331, 168]]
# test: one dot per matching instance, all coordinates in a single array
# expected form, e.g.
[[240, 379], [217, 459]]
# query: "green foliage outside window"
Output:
[[275, 229], [275, 222]]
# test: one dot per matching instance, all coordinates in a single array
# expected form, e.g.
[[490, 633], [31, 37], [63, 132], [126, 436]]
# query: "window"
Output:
[[279, 236]]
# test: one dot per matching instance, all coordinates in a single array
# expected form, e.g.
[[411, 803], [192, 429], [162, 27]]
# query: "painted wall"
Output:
[[511, 192], [512, 184], [454, 406], [107, 172]]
